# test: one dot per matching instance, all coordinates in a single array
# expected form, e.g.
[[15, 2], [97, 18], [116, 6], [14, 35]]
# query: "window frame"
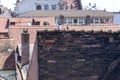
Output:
[[46, 7], [75, 21], [57, 20], [12, 23], [101, 20], [81, 20], [54, 7], [38, 7], [69, 20], [96, 20]]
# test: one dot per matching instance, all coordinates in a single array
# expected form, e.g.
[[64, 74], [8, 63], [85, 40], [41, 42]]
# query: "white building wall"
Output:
[[116, 19], [29, 5], [25, 6]]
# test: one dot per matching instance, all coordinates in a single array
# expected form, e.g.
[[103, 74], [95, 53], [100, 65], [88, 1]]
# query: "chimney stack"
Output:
[[25, 47]]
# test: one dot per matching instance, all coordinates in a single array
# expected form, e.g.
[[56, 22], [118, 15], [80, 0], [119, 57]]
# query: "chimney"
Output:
[[25, 47]]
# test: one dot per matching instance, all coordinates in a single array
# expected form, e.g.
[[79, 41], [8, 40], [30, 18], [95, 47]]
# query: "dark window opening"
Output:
[[38, 7], [96, 20], [46, 7], [88, 20], [101, 20], [61, 7], [12, 23], [35, 22], [54, 7], [45, 23], [19, 58], [106, 20], [75, 20], [92, 21]]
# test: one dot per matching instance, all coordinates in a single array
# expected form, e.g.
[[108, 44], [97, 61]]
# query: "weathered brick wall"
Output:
[[15, 33], [16, 30], [76, 55]]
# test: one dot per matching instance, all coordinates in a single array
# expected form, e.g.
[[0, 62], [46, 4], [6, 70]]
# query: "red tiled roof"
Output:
[[7, 58]]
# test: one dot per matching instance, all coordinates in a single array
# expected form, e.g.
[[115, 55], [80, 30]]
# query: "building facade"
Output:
[[29, 5], [48, 35], [74, 17]]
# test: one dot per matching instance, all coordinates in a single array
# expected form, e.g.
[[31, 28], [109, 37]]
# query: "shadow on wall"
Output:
[[10, 62], [113, 72]]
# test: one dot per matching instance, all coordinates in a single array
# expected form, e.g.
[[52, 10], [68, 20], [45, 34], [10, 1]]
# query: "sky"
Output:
[[109, 5]]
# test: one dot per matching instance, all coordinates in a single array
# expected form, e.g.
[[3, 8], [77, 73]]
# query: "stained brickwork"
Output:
[[70, 55]]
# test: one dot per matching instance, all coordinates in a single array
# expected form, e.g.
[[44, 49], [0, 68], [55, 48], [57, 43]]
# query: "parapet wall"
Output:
[[15, 31], [76, 55]]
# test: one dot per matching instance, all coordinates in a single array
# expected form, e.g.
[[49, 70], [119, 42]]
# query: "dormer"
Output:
[[35, 22], [12, 23], [46, 23]]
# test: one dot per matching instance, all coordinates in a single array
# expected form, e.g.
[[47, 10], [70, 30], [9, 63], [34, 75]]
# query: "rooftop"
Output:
[[7, 58], [29, 21], [66, 13]]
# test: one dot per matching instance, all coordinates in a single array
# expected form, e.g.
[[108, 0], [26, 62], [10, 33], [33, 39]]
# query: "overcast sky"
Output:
[[110, 5]]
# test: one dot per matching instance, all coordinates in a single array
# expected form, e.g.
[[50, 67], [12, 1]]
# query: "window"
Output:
[[81, 20], [106, 20], [37, 23], [61, 7], [19, 58], [69, 20], [54, 7], [45, 23], [110, 20], [101, 20], [75, 20], [96, 20], [46, 7], [12, 23], [92, 21], [38, 7], [57, 20]]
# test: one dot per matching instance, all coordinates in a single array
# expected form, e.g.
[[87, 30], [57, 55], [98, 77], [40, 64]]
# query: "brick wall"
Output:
[[16, 30], [15, 33], [70, 55]]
